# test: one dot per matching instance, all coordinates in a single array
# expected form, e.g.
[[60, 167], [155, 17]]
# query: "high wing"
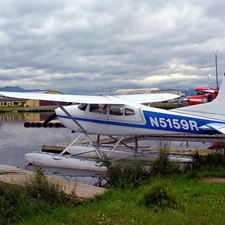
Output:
[[117, 99]]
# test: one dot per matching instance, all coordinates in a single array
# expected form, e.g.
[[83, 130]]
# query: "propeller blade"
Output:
[[52, 117]]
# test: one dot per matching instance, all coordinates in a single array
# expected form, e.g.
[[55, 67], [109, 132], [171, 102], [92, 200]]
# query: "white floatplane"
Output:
[[126, 115]]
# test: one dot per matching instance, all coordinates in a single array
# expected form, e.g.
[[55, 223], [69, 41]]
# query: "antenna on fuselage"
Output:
[[112, 91]]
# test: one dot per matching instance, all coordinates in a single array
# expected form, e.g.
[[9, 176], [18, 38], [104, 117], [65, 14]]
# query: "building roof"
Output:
[[135, 91]]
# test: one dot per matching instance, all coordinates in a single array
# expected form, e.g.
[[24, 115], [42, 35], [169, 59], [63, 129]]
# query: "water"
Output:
[[16, 140]]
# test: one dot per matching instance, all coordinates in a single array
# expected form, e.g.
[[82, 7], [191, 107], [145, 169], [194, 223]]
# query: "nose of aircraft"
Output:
[[68, 109], [58, 111]]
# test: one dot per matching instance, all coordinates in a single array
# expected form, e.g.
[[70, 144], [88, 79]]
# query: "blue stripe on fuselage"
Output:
[[160, 121]]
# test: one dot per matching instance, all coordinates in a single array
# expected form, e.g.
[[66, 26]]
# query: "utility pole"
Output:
[[215, 52], [208, 80]]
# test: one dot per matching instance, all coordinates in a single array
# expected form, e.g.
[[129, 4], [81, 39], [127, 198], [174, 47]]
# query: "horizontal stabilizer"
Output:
[[217, 126]]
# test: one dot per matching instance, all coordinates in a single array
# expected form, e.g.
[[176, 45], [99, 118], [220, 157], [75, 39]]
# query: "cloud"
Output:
[[93, 46]]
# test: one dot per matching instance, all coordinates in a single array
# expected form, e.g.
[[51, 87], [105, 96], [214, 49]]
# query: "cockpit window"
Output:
[[82, 106], [129, 112]]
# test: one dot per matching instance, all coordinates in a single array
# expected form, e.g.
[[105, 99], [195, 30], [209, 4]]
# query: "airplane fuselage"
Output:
[[132, 120]]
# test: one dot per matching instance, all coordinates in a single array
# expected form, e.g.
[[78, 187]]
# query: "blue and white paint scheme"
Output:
[[127, 115]]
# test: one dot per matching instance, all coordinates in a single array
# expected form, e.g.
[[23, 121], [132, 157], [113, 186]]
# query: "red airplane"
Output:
[[203, 95]]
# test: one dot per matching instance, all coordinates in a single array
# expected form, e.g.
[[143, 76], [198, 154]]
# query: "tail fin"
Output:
[[210, 110]]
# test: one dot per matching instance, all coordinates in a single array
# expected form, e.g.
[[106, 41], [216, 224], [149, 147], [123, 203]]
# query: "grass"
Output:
[[135, 195], [4, 109], [37, 197], [184, 201]]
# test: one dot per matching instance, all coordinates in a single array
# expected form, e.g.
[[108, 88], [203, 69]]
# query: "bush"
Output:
[[132, 174], [127, 174], [162, 166], [37, 196], [159, 194], [216, 158], [9, 195], [16, 205], [39, 187]]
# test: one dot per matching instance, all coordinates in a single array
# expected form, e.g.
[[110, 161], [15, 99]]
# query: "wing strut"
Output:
[[122, 137], [95, 148], [65, 150], [136, 143]]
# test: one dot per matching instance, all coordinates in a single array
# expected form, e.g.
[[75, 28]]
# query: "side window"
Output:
[[129, 112], [103, 108], [116, 110], [82, 106], [98, 108], [94, 108]]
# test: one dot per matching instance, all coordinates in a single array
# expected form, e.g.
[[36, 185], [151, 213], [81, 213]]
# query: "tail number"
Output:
[[173, 123]]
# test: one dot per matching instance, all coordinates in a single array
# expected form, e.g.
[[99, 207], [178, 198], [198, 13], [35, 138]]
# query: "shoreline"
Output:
[[15, 109]]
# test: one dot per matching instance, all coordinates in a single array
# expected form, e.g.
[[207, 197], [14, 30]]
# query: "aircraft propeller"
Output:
[[52, 117]]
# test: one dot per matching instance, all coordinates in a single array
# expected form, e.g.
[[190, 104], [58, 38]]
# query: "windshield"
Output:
[[82, 106]]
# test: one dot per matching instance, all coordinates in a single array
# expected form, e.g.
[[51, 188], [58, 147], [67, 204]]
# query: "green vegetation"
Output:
[[4, 109], [161, 193], [37, 197]]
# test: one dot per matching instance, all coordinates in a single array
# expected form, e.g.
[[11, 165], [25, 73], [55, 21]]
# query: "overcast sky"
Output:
[[95, 46]]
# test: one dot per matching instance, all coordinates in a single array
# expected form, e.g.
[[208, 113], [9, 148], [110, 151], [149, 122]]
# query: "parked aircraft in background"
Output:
[[203, 95]]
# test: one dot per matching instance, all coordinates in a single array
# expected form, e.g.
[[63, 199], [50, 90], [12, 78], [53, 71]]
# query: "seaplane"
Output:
[[120, 116]]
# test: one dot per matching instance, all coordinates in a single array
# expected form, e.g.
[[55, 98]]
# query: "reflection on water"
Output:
[[4, 117], [26, 116]]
